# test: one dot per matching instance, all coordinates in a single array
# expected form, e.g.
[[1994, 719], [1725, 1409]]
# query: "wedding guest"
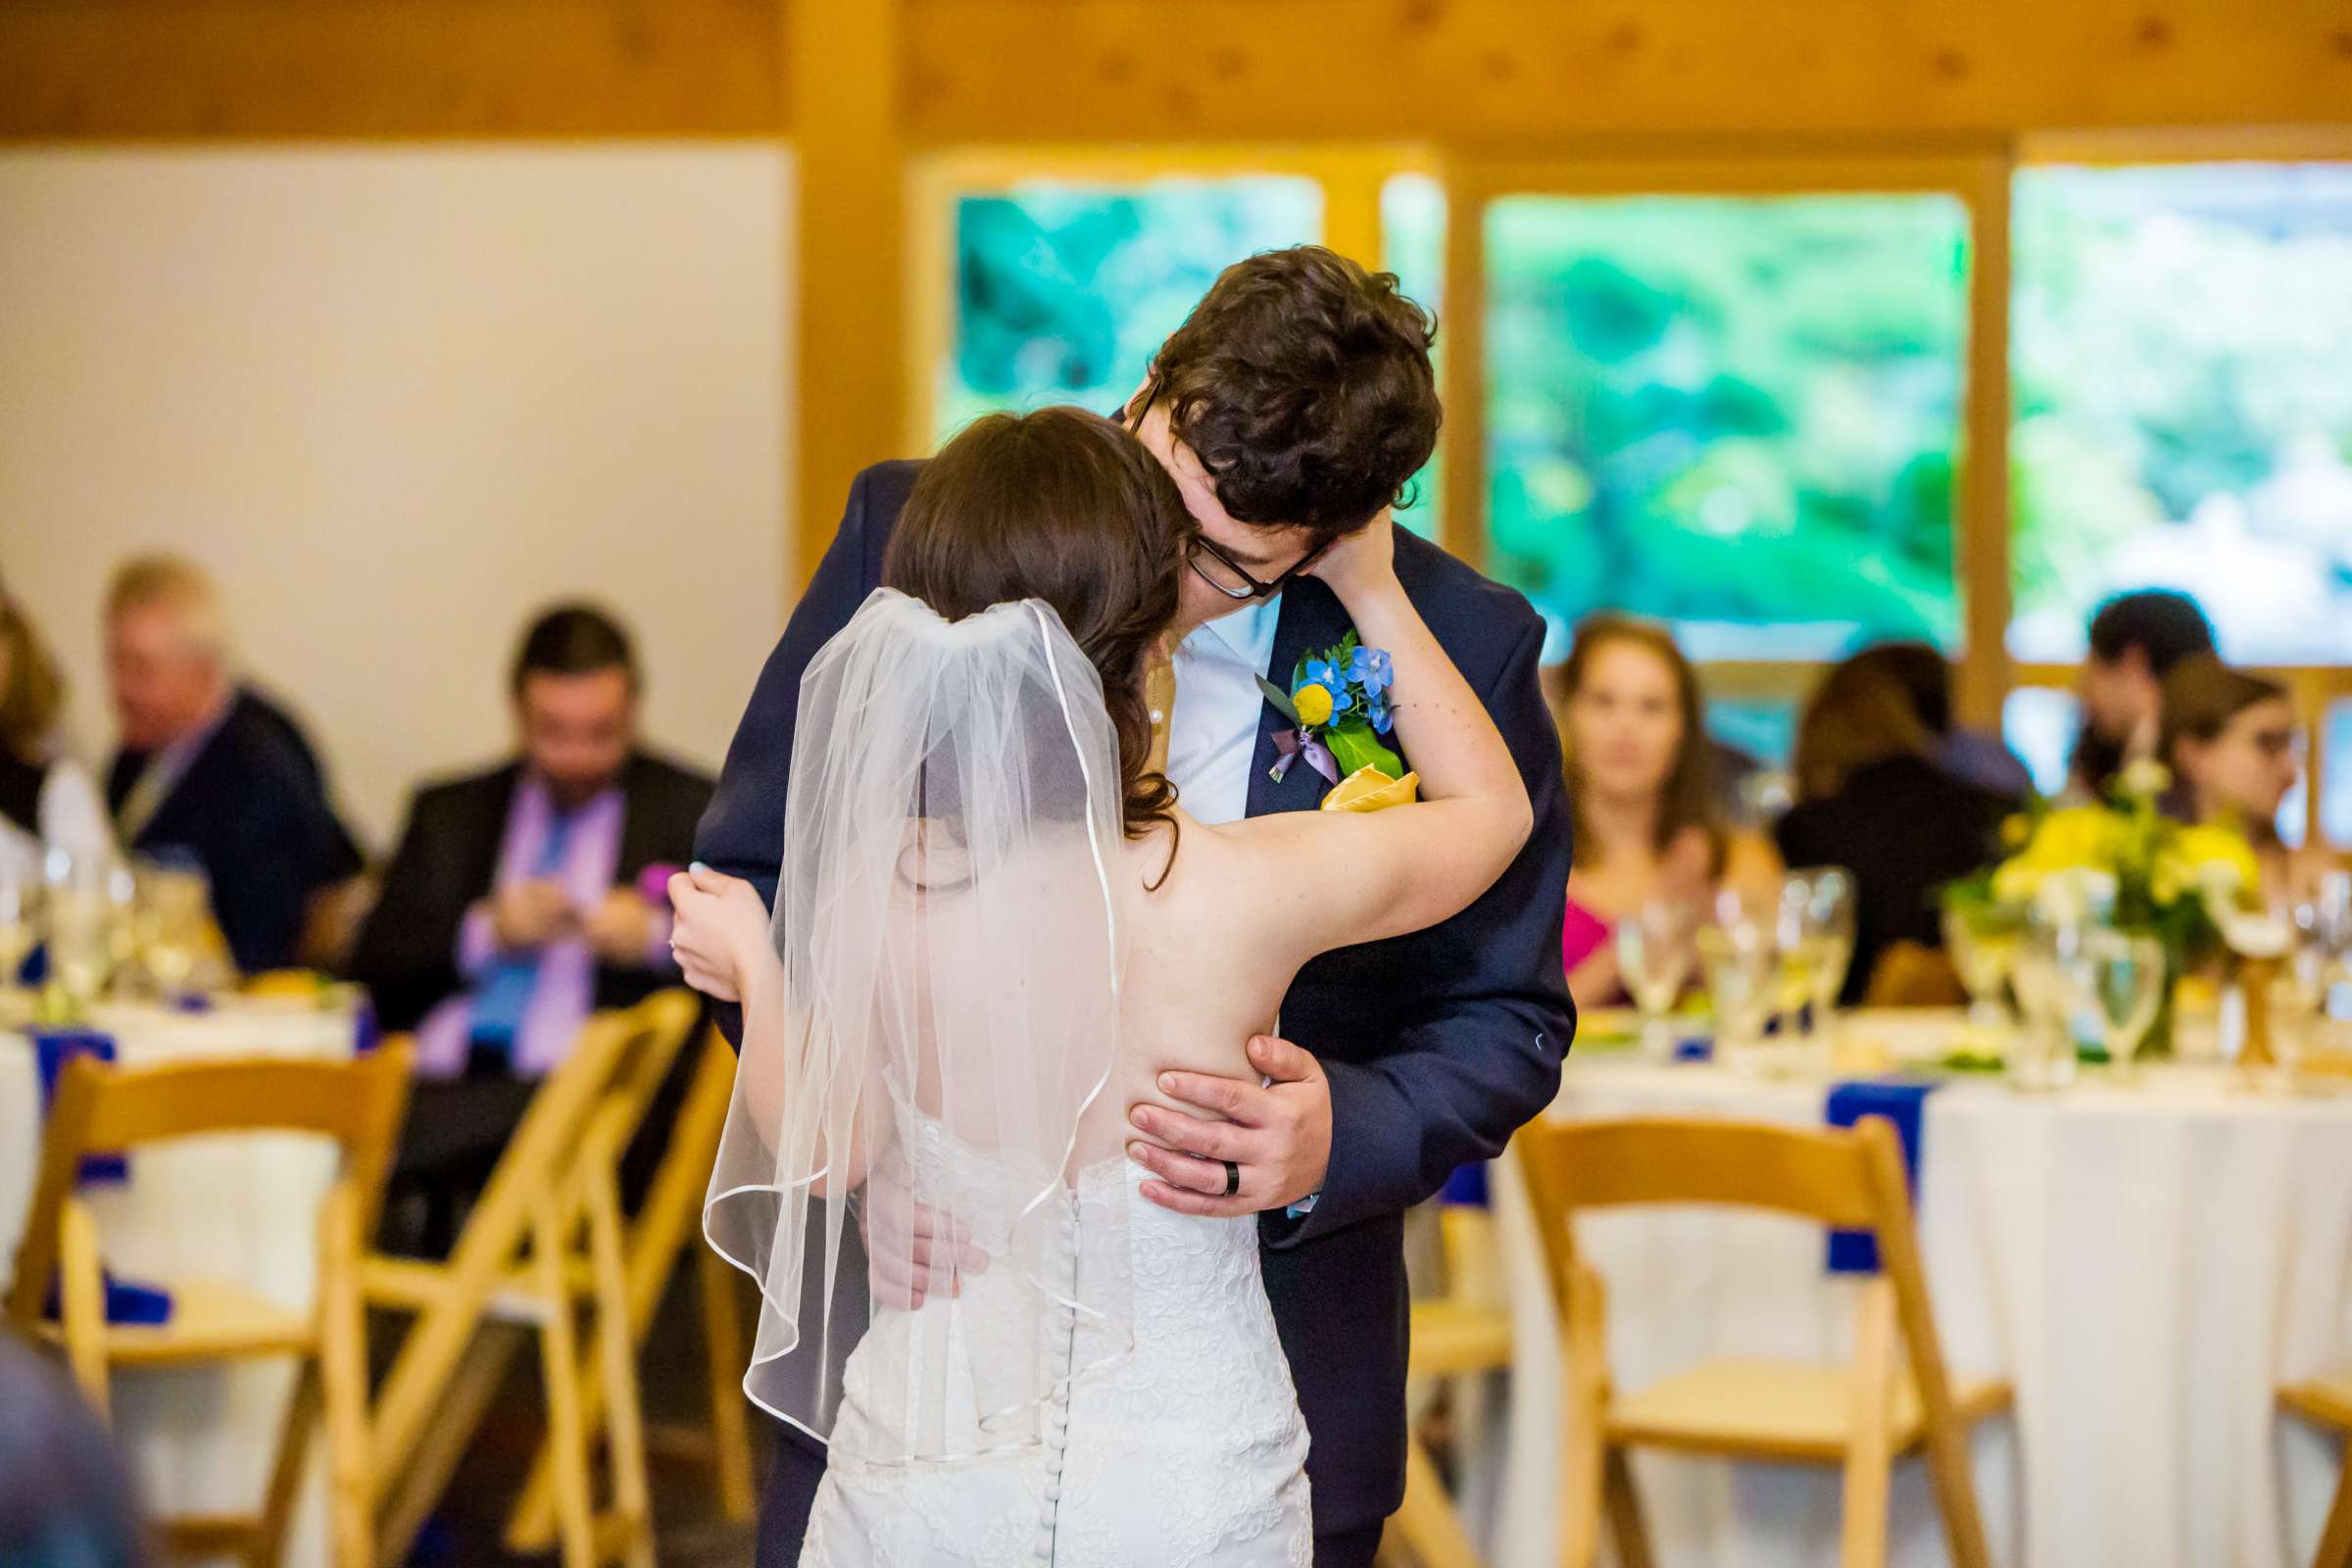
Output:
[[1875, 795], [514, 903], [66, 1500], [209, 771], [2229, 739], [47, 800], [1649, 821], [2135, 640], [1978, 756]]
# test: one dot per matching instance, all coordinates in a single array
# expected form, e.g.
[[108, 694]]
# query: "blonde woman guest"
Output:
[[47, 800], [1641, 789], [2229, 739]]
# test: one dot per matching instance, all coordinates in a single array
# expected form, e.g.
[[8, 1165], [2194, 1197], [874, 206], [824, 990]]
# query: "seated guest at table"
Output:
[[1650, 823], [65, 1498], [512, 907], [1874, 795], [210, 771], [47, 800], [2229, 739], [1979, 757], [2135, 639]]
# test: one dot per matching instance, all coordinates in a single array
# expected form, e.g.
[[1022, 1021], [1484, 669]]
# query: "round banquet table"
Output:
[[241, 1208], [2144, 1262]]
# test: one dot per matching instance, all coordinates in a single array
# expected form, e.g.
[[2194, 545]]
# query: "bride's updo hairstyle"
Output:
[[1064, 506]]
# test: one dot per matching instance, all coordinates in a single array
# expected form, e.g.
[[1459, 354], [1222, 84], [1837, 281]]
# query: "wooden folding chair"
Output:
[[666, 1223], [544, 1238], [2327, 1402], [358, 1105], [1891, 1400], [1465, 1332]]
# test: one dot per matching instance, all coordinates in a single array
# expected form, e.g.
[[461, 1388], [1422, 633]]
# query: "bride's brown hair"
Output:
[[1064, 506]]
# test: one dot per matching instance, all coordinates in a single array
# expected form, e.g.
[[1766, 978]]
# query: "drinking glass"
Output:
[[1654, 953], [1742, 973], [2119, 978], [1985, 954], [1814, 935], [175, 905], [19, 928], [81, 908], [2043, 1059]]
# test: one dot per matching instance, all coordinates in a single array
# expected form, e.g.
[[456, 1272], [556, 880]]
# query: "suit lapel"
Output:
[[1311, 619]]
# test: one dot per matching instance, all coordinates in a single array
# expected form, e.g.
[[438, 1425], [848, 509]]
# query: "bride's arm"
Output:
[[721, 936], [1342, 877]]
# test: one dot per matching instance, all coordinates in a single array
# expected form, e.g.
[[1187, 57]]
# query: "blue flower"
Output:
[[1376, 707], [1370, 668]]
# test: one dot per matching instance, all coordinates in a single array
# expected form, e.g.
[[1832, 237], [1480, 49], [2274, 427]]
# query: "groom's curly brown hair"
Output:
[[1303, 383]]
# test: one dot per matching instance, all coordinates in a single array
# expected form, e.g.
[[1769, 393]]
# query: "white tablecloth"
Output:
[[2145, 1264], [237, 1209]]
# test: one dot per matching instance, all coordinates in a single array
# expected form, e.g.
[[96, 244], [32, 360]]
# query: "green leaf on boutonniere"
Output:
[[1354, 746], [1279, 697]]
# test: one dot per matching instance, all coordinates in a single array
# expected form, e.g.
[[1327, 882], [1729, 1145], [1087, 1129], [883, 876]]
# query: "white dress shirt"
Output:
[[1213, 735]]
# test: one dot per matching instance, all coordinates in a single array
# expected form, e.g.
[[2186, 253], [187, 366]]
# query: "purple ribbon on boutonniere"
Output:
[[1289, 749]]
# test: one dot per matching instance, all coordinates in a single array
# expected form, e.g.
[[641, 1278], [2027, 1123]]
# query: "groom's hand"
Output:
[[1278, 1135]]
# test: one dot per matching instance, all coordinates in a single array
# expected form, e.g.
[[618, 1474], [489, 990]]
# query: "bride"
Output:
[[995, 929]]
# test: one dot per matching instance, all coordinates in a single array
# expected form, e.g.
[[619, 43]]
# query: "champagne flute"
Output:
[[1830, 933], [2119, 978], [1655, 953]]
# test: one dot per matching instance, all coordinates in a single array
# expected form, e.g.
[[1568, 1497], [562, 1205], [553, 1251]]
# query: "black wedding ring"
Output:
[[1233, 1178]]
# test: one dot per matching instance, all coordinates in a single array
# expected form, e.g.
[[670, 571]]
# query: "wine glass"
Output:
[[1743, 976], [1829, 931], [1655, 953], [1983, 954], [175, 905], [2119, 978], [82, 910]]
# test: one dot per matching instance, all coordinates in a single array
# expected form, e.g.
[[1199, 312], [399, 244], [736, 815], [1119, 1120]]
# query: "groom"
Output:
[[1291, 407]]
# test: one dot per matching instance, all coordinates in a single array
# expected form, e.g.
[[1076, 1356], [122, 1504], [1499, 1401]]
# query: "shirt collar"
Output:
[[1247, 635]]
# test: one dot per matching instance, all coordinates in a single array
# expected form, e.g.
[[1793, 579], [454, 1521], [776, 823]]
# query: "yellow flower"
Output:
[[2078, 837], [1313, 704], [2017, 831]]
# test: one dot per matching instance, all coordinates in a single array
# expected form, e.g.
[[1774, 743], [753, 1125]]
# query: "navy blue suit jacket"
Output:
[[1437, 1045]]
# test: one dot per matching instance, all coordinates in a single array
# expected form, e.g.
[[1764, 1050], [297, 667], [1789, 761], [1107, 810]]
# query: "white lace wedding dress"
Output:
[[1188, 1449]]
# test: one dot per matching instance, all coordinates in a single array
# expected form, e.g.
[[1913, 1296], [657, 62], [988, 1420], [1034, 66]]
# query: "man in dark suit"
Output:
[[518, 901], [209, 771], [1291, 407]]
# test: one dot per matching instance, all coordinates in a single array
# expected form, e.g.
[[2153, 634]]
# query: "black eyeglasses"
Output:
[[1247, 586]]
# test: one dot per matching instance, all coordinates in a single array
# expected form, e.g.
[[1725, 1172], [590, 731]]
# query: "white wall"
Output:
[[395, 398]]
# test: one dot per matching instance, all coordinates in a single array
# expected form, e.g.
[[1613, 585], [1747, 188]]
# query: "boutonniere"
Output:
[[1339, 702]]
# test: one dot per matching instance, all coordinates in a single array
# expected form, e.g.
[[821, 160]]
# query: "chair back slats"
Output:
[[358, 1104], [1659, 1159]]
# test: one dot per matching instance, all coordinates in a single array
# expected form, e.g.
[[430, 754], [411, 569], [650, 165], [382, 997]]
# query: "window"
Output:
[[1734, 414], [1063, 290], [1412, 245], [2182, 403]]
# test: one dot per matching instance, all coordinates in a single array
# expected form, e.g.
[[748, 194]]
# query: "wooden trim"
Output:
[[851, 321], [2184, 144], [437, 70], [1980, 510], [1462, 524]]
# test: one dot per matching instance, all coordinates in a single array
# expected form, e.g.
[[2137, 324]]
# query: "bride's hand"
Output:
[[1362, 564], [720, 929]]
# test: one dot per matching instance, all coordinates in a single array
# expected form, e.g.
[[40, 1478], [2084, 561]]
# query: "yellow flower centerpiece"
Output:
[[2120, 863]]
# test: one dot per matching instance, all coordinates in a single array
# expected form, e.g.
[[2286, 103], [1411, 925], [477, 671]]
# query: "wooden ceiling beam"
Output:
[[1485, 72], [96, 69]]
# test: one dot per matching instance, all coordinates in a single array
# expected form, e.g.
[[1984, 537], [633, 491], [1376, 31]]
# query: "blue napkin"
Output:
[[52, 1050], [1695, 1048], [366, 1032], [1899, 1100], [1467, 1186]]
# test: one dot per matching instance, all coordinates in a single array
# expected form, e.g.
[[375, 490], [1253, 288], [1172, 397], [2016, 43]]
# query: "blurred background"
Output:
[[380, 331]]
